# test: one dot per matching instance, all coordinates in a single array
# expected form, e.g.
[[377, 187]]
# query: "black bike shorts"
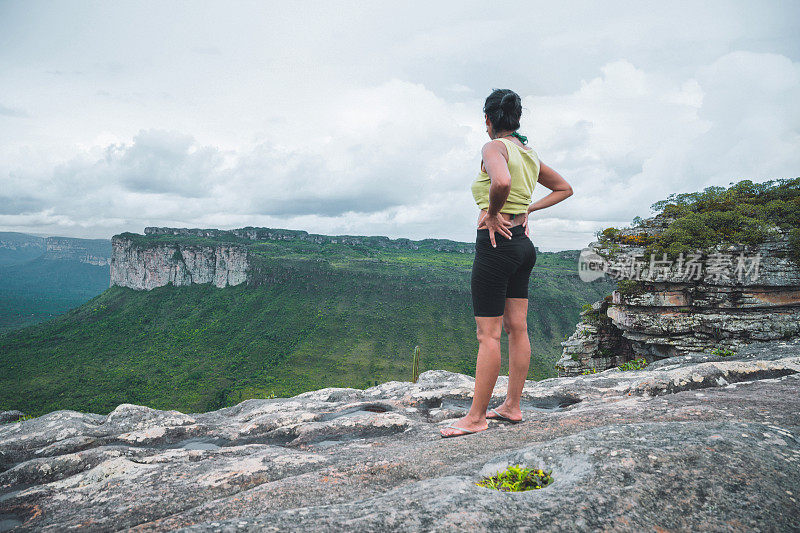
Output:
[[502, 272]]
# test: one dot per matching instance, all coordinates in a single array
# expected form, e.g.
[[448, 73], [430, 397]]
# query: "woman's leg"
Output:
[[487, 369], [515, 323], [491, 270]]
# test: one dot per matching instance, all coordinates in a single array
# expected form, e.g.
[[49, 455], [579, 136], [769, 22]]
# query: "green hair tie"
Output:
[[522, 138]]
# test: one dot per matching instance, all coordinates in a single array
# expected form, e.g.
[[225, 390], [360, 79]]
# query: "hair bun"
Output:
[[503, 108], [509, 102]]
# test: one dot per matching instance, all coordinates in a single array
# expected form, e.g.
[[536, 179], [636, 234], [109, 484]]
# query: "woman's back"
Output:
[[523, 165]]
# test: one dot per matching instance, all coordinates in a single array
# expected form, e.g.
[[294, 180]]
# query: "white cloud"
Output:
[[367, 120], [631, 137]]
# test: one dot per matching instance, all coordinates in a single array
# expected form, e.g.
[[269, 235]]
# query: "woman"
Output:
[[504, 257]]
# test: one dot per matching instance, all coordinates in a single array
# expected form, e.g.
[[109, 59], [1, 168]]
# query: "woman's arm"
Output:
[[553, 181], [496, 166]]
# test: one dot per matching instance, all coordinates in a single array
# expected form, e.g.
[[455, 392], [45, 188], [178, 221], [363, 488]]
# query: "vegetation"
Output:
[[318, 315], [722, 352], [636, 364], [517, 478], [415, 365], [794, 244], [630, 287], [745, 213], [589, 371], [590, 314]]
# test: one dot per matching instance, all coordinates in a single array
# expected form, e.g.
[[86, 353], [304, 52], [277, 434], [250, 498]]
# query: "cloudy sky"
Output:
[[364, 118]]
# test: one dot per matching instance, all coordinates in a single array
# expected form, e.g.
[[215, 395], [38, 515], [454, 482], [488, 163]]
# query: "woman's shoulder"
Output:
[[495, 143], [498, 146]]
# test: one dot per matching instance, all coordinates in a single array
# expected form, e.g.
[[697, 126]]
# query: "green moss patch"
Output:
[[517, 478], [722, 352]]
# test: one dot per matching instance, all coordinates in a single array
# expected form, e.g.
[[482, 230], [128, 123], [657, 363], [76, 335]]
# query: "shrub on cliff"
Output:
[[745, 213]]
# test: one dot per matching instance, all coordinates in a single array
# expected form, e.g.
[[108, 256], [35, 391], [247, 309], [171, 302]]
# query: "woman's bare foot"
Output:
[[510, 413], [468, 423]]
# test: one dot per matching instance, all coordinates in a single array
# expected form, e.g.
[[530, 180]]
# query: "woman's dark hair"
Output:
[[503, 107]]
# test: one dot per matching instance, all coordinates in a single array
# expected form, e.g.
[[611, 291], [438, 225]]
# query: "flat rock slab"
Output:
[[696, 442]]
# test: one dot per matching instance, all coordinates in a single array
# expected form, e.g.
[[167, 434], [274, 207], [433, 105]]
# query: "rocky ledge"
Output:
[[722, 297], [691, 442]]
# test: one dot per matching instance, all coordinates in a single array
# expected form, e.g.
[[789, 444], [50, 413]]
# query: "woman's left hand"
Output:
[[525, 223]]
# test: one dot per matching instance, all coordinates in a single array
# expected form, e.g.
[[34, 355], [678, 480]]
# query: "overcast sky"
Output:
[[365, 118]]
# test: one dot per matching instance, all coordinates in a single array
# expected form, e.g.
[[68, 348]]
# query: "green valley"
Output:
[[314, 314]]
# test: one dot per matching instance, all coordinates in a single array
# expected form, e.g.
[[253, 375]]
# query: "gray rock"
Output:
[[691, 442], [751, 293], [154, 265]]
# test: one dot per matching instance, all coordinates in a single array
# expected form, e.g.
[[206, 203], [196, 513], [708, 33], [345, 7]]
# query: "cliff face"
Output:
[[17, 248], [692, 443], [724, 297], [11, 240], [156, 259], [91, 251], [146, 267]]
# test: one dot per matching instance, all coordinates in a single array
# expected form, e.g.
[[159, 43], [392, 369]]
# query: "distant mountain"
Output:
[[17, 248], [44, 277], [252, 312]]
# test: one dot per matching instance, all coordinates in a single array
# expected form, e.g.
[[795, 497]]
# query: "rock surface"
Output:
[[724, 297], [694, 442], [148, 267]]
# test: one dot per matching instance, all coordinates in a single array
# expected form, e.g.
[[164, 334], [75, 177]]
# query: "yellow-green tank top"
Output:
[[523, 165]]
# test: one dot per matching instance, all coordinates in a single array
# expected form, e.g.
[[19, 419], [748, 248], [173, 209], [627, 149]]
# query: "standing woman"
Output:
[[504, 257]]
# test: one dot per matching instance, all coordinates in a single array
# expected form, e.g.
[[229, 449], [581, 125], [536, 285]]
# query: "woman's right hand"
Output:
[[497, 224]]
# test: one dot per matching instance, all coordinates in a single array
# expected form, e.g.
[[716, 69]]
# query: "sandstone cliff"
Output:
[[691, 443], [723, 297], [146, 266], [183, 256]]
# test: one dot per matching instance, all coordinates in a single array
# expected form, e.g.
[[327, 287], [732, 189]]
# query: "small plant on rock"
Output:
[[590, 371], [722, 352], [636, 364], [517, 478]]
